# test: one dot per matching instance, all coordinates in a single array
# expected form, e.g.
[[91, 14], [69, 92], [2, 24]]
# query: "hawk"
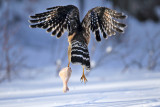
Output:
[[60, 18]]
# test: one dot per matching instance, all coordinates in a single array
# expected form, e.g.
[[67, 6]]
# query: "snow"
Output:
[[93, 64], [108, 49], [115, 90]]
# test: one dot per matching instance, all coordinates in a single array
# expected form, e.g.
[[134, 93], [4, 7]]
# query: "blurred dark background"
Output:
[[23, 49], [142, 10]]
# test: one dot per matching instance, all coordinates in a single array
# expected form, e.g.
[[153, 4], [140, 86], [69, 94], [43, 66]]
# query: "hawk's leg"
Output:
[[83, 78], [69, 55]]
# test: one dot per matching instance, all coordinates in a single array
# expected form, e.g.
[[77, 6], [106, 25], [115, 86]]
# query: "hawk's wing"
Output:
[[104, 19], [57, 19]]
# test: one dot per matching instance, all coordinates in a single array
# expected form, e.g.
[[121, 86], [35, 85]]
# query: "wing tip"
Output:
[[32, 26], [49, 8], [126, 16], [47, 31], [33, 21], [29, 21], [52, 35], [33, 17]]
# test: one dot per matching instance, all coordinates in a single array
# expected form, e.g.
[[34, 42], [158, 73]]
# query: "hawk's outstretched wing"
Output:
[[102, 18], [57, 19]]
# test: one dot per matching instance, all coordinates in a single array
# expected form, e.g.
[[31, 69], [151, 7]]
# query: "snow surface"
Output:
[[102, 89]]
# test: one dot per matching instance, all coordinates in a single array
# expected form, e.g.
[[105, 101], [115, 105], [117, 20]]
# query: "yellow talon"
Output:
[[83, 78]]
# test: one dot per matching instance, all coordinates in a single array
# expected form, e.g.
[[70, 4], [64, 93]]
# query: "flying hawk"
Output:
[[60, 18]]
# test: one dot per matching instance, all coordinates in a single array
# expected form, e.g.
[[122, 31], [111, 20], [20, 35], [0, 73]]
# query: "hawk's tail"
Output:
[[80, 54]]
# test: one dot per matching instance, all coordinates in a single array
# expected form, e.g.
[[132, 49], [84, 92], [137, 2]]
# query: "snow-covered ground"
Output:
[[104, 88]]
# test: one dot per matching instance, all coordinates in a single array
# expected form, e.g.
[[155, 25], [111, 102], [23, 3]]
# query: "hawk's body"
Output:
[[61, 18]]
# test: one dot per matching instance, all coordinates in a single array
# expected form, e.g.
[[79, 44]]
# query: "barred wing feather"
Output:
[[105, 20]]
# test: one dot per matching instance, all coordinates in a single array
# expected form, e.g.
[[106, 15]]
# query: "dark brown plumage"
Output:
[[60, 18]]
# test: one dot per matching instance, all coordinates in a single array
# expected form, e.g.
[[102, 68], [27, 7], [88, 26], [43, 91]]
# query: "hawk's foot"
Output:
[[83, 78]]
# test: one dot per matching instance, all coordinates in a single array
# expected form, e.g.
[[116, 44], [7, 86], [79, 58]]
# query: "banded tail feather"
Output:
[[80, 54]]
